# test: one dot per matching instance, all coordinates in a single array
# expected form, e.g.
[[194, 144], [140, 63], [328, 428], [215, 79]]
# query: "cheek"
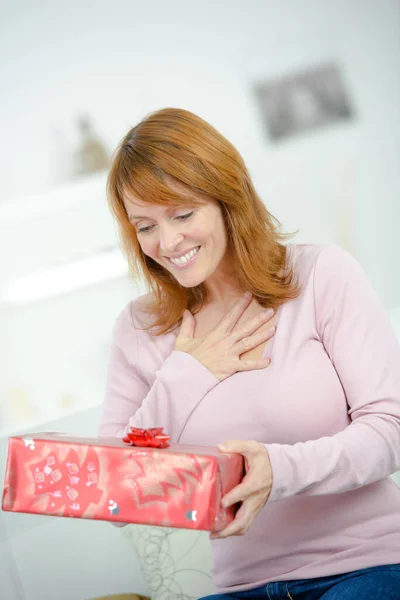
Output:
[[204, 229], [148, 246], [210, 235], [220, 234], [199, 234]]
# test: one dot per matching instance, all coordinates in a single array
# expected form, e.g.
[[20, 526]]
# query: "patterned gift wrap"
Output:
[[106, 479]]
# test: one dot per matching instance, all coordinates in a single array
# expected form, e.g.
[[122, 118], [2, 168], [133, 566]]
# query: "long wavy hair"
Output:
[[175, 143]]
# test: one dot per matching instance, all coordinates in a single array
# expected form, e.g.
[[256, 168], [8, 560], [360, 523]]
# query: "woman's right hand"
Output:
[[220, 350]]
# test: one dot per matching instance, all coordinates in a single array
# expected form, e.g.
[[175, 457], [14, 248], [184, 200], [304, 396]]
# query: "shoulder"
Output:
[[337, 282], [327, 272], [323, 262], [133, 317]]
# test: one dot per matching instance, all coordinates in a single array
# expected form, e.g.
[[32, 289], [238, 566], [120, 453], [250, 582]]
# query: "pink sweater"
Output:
[[327, 409]]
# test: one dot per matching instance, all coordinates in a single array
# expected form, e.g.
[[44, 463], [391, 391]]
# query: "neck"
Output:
[[223, 290]]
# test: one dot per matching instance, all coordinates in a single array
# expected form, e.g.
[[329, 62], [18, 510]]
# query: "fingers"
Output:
[[236, 527], [253, 324], [253, 365], [242, 521], [228, 322], [253, 491], [187, 326], [245, 447], [239, 493], [250, 484], [256, 339]]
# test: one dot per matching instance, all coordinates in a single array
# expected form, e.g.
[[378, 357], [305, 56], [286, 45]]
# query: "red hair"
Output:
[[177, 144]]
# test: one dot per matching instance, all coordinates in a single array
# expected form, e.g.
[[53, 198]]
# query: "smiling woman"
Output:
[[262, 349], [189, 242], [186, 208]]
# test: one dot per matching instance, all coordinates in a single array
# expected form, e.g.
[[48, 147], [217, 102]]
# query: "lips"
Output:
[[183, 253], [184, 259]]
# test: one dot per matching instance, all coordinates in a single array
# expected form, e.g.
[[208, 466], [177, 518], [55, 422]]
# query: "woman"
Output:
[[282, 353]]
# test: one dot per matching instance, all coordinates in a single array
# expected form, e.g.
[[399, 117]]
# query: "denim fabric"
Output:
[[373, 583]]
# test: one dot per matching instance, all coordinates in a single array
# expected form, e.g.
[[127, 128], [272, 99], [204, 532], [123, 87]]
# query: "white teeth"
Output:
[[182, 260]]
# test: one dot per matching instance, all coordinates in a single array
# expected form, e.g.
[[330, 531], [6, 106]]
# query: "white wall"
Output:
[[56, 353], [117, 62]]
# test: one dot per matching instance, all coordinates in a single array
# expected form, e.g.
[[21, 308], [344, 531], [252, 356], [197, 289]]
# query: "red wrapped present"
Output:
[[107, 479]]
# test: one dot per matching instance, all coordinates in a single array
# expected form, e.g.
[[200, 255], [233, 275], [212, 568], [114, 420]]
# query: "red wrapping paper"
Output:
[[106, 479]]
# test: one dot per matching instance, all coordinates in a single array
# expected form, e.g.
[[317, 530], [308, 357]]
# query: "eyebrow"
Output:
[[170, 208], [132, 217]]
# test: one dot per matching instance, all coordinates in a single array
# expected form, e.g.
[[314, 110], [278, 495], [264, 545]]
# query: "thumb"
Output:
[[187, 325], [239, 446]]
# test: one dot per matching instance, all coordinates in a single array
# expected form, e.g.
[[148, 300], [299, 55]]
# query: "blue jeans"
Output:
[[374, 583]]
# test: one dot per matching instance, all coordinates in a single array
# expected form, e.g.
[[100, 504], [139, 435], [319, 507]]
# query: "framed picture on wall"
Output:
[[303, 101]]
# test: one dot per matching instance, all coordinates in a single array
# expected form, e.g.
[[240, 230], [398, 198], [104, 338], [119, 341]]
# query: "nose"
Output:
[[169, 238]]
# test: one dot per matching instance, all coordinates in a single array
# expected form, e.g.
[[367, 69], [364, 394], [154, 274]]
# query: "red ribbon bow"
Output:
[[147, 438]]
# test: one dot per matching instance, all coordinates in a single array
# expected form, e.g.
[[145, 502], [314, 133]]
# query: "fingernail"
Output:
[[221, 447]]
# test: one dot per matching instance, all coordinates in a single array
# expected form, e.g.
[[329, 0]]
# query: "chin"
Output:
[[190, 282]]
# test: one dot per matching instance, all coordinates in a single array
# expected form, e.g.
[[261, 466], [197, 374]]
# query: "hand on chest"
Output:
[[209, 317]]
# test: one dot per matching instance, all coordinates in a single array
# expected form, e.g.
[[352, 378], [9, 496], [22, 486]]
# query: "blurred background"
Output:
[[308, 92]]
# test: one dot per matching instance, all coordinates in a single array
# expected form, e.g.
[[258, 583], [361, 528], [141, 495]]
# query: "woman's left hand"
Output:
[[252, 492]]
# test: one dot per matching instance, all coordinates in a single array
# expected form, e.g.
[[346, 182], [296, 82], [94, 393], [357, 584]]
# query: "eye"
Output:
[[145, 229], [184, 217]]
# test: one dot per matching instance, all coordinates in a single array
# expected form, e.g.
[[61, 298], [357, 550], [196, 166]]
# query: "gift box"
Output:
[[108, 479]]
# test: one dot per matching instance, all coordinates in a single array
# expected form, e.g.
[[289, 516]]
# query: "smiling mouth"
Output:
[[185, 259]]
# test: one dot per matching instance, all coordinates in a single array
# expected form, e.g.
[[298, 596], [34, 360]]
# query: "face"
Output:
[[188, 240]]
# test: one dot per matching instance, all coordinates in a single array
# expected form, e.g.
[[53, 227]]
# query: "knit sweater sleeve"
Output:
[[180, 384], [355, 331]]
